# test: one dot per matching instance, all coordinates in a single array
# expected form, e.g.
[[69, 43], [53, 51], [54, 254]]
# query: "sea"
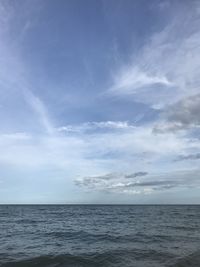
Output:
[[99, 235]]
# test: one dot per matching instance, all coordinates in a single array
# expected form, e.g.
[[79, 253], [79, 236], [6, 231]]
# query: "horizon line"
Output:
[[98, 204]]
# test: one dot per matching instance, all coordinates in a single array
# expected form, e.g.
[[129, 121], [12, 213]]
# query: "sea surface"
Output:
[[99, 235]]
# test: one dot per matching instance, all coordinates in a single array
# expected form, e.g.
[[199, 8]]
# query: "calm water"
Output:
[[140, 236]]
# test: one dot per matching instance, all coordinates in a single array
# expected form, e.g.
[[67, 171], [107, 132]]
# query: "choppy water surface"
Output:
[[140, 236]]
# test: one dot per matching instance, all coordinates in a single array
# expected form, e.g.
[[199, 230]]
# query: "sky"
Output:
[[100, 101]]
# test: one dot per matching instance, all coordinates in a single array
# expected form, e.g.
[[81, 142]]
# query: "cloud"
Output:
[[189, 157], [39, 108], [131, 80], [136, 174], [92, 126], [166, 68], [133, 144], [182, 115], [152, 182], [185, 112], [132, 161], [15, 74]]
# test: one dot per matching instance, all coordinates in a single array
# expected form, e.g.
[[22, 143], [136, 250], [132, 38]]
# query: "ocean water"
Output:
[[107, 236]]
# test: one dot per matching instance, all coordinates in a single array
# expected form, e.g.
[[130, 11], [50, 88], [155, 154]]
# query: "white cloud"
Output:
[[92, 126], [167, 67], [132, 149], [131, 80]]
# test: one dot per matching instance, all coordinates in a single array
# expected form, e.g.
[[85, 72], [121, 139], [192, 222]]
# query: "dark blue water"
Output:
[[140, 236]]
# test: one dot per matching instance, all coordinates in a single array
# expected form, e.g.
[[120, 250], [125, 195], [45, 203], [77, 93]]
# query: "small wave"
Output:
[[182, 227], [52, 261], [191, 260], [28, 221], [88, 236], [106, 237], [115, 258]]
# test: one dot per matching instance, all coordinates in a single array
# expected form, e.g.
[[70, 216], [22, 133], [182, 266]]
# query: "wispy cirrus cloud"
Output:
[[15, 75], [167, 66], [133, 79], [40, 109]]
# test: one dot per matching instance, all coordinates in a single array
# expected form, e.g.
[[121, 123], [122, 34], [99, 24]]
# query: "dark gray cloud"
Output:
[[92, 181], [186, 111], [111, 176], [154, 183], [136, 174], [118, 183], [181, 115], [189, 157]]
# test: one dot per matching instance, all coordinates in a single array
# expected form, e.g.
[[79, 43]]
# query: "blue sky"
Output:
[[99, 101]]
